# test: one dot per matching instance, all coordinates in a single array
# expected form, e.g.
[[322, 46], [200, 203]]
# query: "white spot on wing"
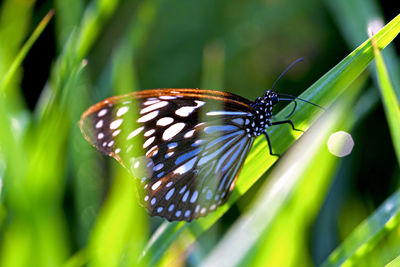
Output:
[[122, 111], [116, 132], [189, 134], [154, 107], [135, 132], [150, 102], [149, 141], [165, 121], [115, 124], [156, 185], [99, 124], [186, 111], [167, 97], [148, 116], [149, 132], [173, 130], [102, 112]]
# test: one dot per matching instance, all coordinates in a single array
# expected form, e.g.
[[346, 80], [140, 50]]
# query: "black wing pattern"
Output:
[[184, 146]]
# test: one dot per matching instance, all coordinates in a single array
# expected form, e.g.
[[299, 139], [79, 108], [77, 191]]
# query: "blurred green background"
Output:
[[62, 203]]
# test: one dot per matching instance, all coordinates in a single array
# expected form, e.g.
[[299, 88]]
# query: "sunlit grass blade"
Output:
[[368, 233], [389, 99], [323, 92], [24, 51], [353, 19], [296, 186], [394, 263], [15, 25]]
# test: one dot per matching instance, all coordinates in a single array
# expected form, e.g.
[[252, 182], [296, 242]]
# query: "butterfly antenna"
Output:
[[287, 69], [293, 98]]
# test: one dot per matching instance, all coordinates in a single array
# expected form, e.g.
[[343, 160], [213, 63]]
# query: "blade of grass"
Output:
[[394, 263], [353, 18], [324, 92], [13, 33], [367, 234], [306, 199], [390, 103], [307, 164], [24, 51]]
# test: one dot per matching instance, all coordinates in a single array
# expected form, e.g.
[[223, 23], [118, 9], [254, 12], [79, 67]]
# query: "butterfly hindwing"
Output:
[[185, 146]]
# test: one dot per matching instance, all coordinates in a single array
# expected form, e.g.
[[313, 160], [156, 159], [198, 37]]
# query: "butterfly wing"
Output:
[[185, 146]]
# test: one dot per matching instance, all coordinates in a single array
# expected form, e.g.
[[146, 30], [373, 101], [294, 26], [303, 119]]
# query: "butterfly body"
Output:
[[185, 147]]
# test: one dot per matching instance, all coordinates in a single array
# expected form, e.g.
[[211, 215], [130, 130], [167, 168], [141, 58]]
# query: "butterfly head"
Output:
[[263, 105], [271, 97]]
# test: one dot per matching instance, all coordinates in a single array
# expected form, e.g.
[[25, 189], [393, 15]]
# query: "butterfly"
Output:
[[185, 147]]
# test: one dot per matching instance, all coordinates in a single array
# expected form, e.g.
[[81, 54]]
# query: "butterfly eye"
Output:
[[274, 99]]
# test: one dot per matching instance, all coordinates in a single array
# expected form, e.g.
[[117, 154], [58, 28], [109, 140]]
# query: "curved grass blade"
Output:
[[307, 165], [24, 50], [323, 92], [367, 234], [389, 99]]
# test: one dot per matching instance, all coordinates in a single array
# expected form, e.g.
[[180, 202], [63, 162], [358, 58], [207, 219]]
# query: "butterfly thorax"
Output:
[[262, 113]]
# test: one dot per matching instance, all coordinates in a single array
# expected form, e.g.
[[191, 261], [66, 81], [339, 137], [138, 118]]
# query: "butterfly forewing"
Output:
[[184, 146]]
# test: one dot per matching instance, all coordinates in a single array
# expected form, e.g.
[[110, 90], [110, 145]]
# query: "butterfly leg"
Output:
[[269, 145], [286, 121]]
